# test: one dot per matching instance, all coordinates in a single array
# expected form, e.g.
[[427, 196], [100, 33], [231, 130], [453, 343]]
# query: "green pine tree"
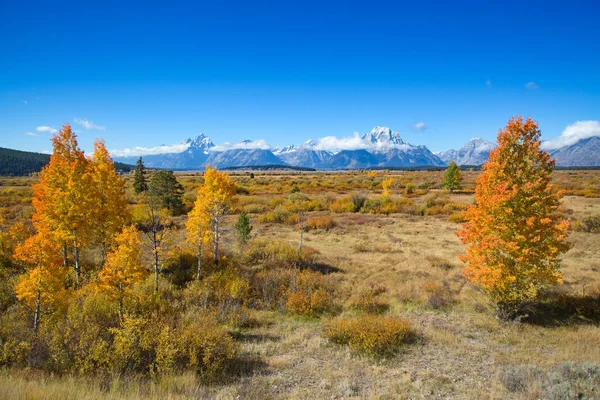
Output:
[[243, 228], [452, 178], [139, 177]]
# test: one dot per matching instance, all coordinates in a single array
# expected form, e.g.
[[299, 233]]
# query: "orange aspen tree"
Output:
[[41, 287], [216, 196], [63, 199], [199, 228], [513, 233], [123, 267], [110, 212]]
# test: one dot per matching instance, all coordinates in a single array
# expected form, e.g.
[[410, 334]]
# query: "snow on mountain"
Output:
[[284, 150], [382, 137], [585, 152], [380, 147], [475, 152]]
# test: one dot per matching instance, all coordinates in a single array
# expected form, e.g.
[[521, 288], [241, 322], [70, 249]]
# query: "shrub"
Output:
[[439, 296], [311, 294], [368, 299], [273, 254], [458, 218], [343, 205], [270, 287], [590, 224], [374, 335], [324, 222], [439, 262], [358, 201], [206, 346]]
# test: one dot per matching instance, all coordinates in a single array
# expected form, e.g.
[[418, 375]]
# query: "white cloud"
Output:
[[356, 142], [532, 86], [488, 83], [333, 143], [145, 151], [44, 128], [24, 101], [420, 126], [247, 144], [88, 124], [30, 134], [573, 133]]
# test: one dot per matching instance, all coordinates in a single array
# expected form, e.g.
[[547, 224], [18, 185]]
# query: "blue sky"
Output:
[[286, 72]]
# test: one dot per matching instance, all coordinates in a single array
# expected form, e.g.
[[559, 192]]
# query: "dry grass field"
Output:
[[459, 350]]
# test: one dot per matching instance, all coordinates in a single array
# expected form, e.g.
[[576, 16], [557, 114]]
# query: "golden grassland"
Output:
[[460, 350]]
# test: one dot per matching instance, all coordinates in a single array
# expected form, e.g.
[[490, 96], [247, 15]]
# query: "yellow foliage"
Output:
[[374, 335], [123, 268]]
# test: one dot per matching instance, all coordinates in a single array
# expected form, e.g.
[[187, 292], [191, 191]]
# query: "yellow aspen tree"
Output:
[[110, 213], [123, 267], [216, 195], [64, 196], [41, 288], [387, 185], [199, 228], [514, 234]]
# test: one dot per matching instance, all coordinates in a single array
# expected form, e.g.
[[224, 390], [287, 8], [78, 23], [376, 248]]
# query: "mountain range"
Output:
[[380, 148]]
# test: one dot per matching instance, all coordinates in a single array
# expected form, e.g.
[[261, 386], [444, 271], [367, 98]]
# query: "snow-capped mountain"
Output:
[[475, 152], [383, 138], [194, 156], [381, 147], [586, 152], [242, 157], [284, 150]]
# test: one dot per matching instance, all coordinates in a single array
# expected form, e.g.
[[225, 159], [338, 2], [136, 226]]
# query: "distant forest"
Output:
[[21, 163]]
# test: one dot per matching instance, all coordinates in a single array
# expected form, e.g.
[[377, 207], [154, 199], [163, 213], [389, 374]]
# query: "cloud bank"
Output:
[[573, 133], [246, 145], [146, 151]]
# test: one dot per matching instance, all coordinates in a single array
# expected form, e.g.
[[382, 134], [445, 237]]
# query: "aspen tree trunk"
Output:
[[216, 244], [199, 255], [77, 266], [36, 315], [120, 301], [155, 245], [65, 255]]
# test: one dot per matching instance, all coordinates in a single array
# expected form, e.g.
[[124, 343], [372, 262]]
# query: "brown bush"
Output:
[[374, 335], [324, 222], [310, 294], [367, 299]]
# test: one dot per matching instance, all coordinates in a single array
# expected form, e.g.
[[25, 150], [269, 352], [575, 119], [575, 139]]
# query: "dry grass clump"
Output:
[[439, 296], [343, 205], [368, 300], [324, 222], [311, 294], [366, 247], [304, 292], [275, 254], [457, 217], [568, 380], [439, 262], [374, 335], [590, 224]]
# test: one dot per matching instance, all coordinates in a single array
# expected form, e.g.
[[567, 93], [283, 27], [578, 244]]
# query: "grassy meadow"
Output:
[[393, 256]]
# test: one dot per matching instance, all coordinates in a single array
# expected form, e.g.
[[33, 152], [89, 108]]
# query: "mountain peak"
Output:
[[384, 136]]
